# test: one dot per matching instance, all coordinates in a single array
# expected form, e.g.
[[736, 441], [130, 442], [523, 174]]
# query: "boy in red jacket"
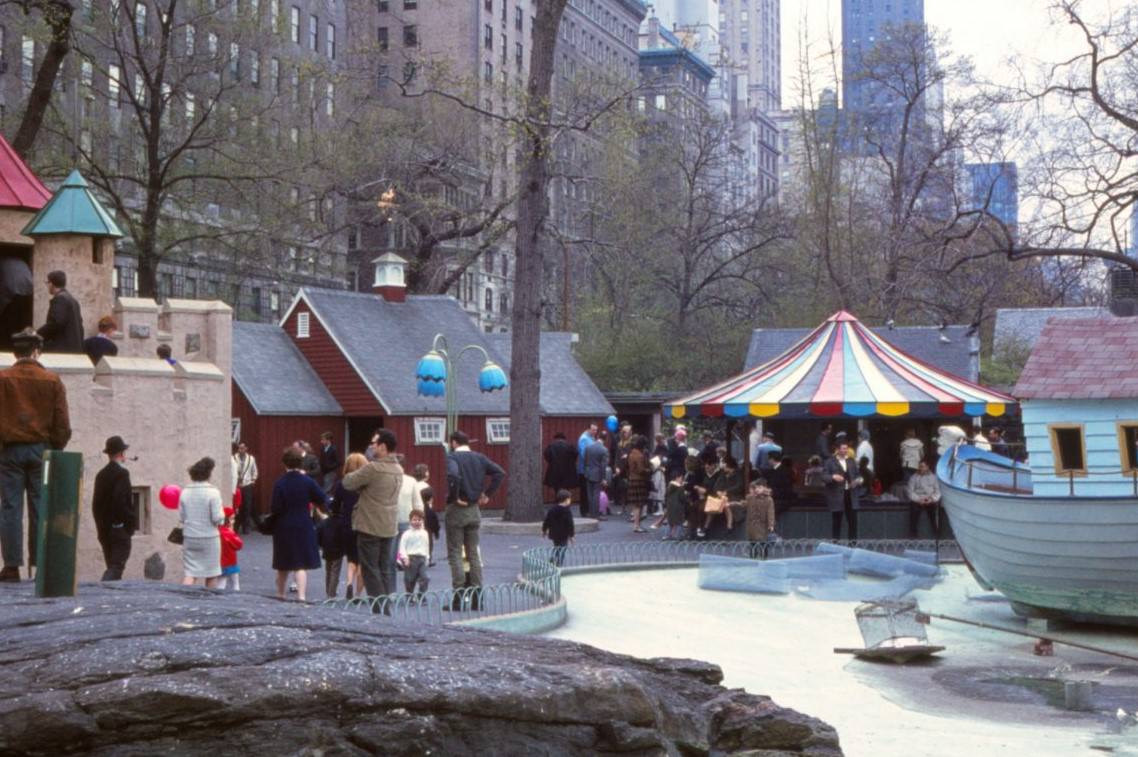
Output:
[[230, 544]]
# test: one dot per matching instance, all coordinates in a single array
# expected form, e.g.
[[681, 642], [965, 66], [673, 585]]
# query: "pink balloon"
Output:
[[169, 496]]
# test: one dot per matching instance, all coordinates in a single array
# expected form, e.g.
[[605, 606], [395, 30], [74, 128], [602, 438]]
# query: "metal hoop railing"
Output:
[[539, 584]]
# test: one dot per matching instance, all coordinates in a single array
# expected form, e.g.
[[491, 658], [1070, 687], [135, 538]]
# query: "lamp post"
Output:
[[437, 367]]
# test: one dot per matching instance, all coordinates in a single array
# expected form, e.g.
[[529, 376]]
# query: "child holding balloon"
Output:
[[231, 543]]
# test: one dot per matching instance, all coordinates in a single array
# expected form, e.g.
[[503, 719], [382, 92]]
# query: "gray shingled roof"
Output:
[[385, 340], [274, 376], [1021, 327], [922, 342], [565, 387]]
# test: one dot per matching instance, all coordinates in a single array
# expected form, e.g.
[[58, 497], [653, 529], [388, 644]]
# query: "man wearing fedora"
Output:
[[115, 519], [34, 403]]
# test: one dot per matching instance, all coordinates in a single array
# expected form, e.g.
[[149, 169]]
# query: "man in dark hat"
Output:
[[113, 508], [63, 331], [34, 403]]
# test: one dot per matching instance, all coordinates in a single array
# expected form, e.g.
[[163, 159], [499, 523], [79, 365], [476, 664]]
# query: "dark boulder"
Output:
[[142, 668]]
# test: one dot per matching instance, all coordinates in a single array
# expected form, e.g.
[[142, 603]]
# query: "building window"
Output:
[[275, 15], [498, 430], [330, 99], [1068, 448], [1128, 445], [488, 72], [410, 36], [330, 41], [294, 24], [275, 302], [410, 5], [114, 85], [381, 38], [382, 6], [518, 57], [503, 303], [211, 44], [488, 37], [489, 5], [255, 70], [190, 34], [140, 501], [505, 266], [313, 33], [519, 15], [140, 19], [27, 60], [275, 75], [488, 262], [430, 430], [234, 60], [489, 300], [302, 324]]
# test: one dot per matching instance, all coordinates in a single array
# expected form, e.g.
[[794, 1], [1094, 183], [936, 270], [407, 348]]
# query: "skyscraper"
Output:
[[995, 188], [865, 24]]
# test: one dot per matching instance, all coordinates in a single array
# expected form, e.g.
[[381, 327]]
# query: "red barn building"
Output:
[[345, 362]]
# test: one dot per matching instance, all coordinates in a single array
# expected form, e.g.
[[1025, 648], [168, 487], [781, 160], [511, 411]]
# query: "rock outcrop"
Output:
[[136, 668]]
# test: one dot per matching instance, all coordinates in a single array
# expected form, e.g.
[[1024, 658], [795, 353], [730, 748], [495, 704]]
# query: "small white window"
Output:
[[430, 430], [498, 430], [302, 325]]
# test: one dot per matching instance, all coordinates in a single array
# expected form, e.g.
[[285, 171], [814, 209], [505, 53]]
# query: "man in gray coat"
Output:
[[596, 468]]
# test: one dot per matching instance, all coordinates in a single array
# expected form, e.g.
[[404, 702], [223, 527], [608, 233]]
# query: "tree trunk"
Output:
[[57, 15], [524, 502]]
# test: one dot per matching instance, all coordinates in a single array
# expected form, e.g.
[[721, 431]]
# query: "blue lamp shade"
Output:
[[431, 375], [431, 388], [492, 377]]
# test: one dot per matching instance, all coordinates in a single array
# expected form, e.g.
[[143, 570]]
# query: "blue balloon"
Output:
[[612, 424]]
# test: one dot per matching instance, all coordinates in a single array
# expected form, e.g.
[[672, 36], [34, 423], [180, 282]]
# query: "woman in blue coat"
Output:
[[294, 534]]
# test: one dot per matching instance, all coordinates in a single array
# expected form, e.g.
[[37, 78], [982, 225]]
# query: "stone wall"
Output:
[[169, 415]]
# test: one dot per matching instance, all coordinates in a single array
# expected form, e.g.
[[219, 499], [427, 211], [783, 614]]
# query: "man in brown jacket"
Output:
[[33, 406], [375, 518]]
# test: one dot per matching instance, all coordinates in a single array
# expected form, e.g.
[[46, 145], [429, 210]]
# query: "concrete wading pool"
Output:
[[986, 694]]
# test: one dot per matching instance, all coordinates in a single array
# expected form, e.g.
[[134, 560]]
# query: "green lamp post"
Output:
[[435, 376]]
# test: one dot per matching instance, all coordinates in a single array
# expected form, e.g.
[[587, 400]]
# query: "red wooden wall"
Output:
[[332, 367], [268, 435]]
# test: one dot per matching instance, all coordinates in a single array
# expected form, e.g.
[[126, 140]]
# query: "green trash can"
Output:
[[58, 539]]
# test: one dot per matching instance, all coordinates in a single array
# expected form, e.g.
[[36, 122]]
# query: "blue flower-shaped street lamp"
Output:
[[491, 377], [437, 366]]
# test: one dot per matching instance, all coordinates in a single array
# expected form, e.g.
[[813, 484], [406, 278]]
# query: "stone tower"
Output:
[[75, 234]]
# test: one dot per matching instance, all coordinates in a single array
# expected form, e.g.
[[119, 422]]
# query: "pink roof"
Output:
[[1083, 358], [19, 187]]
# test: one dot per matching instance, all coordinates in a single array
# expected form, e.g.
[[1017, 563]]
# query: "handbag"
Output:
[[176, 535], [715, 504], [265, 525]]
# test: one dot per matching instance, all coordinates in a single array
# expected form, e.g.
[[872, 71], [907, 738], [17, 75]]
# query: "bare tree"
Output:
[[1084, 178], [186, 149], [56, 15]]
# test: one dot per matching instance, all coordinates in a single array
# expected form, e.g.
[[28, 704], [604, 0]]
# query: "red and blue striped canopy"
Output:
[[842, 369]]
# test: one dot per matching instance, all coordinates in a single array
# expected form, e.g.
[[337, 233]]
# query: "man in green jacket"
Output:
[[375, 517]]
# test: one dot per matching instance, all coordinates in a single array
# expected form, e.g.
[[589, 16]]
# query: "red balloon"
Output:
[[169, 495]]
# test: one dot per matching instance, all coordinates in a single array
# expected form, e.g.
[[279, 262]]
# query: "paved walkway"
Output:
[[501, 555]]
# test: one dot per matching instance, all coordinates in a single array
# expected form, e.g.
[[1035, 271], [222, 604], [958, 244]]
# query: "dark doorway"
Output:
[[360, 431], [16, 290]]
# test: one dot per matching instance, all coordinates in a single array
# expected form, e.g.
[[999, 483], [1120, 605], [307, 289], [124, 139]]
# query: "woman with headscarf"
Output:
[[200, 509]]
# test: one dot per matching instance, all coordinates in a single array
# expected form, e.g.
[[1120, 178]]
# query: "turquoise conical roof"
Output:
[[73, 210]]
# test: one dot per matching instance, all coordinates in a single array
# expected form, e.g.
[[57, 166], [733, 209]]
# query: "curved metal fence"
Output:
[[539, 584]]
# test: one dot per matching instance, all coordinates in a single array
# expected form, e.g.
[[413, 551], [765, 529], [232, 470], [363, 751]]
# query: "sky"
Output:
[[988, 31]]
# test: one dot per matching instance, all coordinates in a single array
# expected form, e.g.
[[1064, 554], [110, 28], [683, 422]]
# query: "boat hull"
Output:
[[1069, 557]]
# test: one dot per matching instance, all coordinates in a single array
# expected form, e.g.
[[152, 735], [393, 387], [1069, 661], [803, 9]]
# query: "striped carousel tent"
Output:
[[842, 369]]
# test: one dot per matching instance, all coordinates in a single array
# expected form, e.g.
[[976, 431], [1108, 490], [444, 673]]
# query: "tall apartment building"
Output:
[[264, 70], [481, 51]]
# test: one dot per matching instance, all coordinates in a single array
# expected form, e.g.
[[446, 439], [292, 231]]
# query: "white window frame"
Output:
[[430, 431], [495, 435], [302, 325]]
